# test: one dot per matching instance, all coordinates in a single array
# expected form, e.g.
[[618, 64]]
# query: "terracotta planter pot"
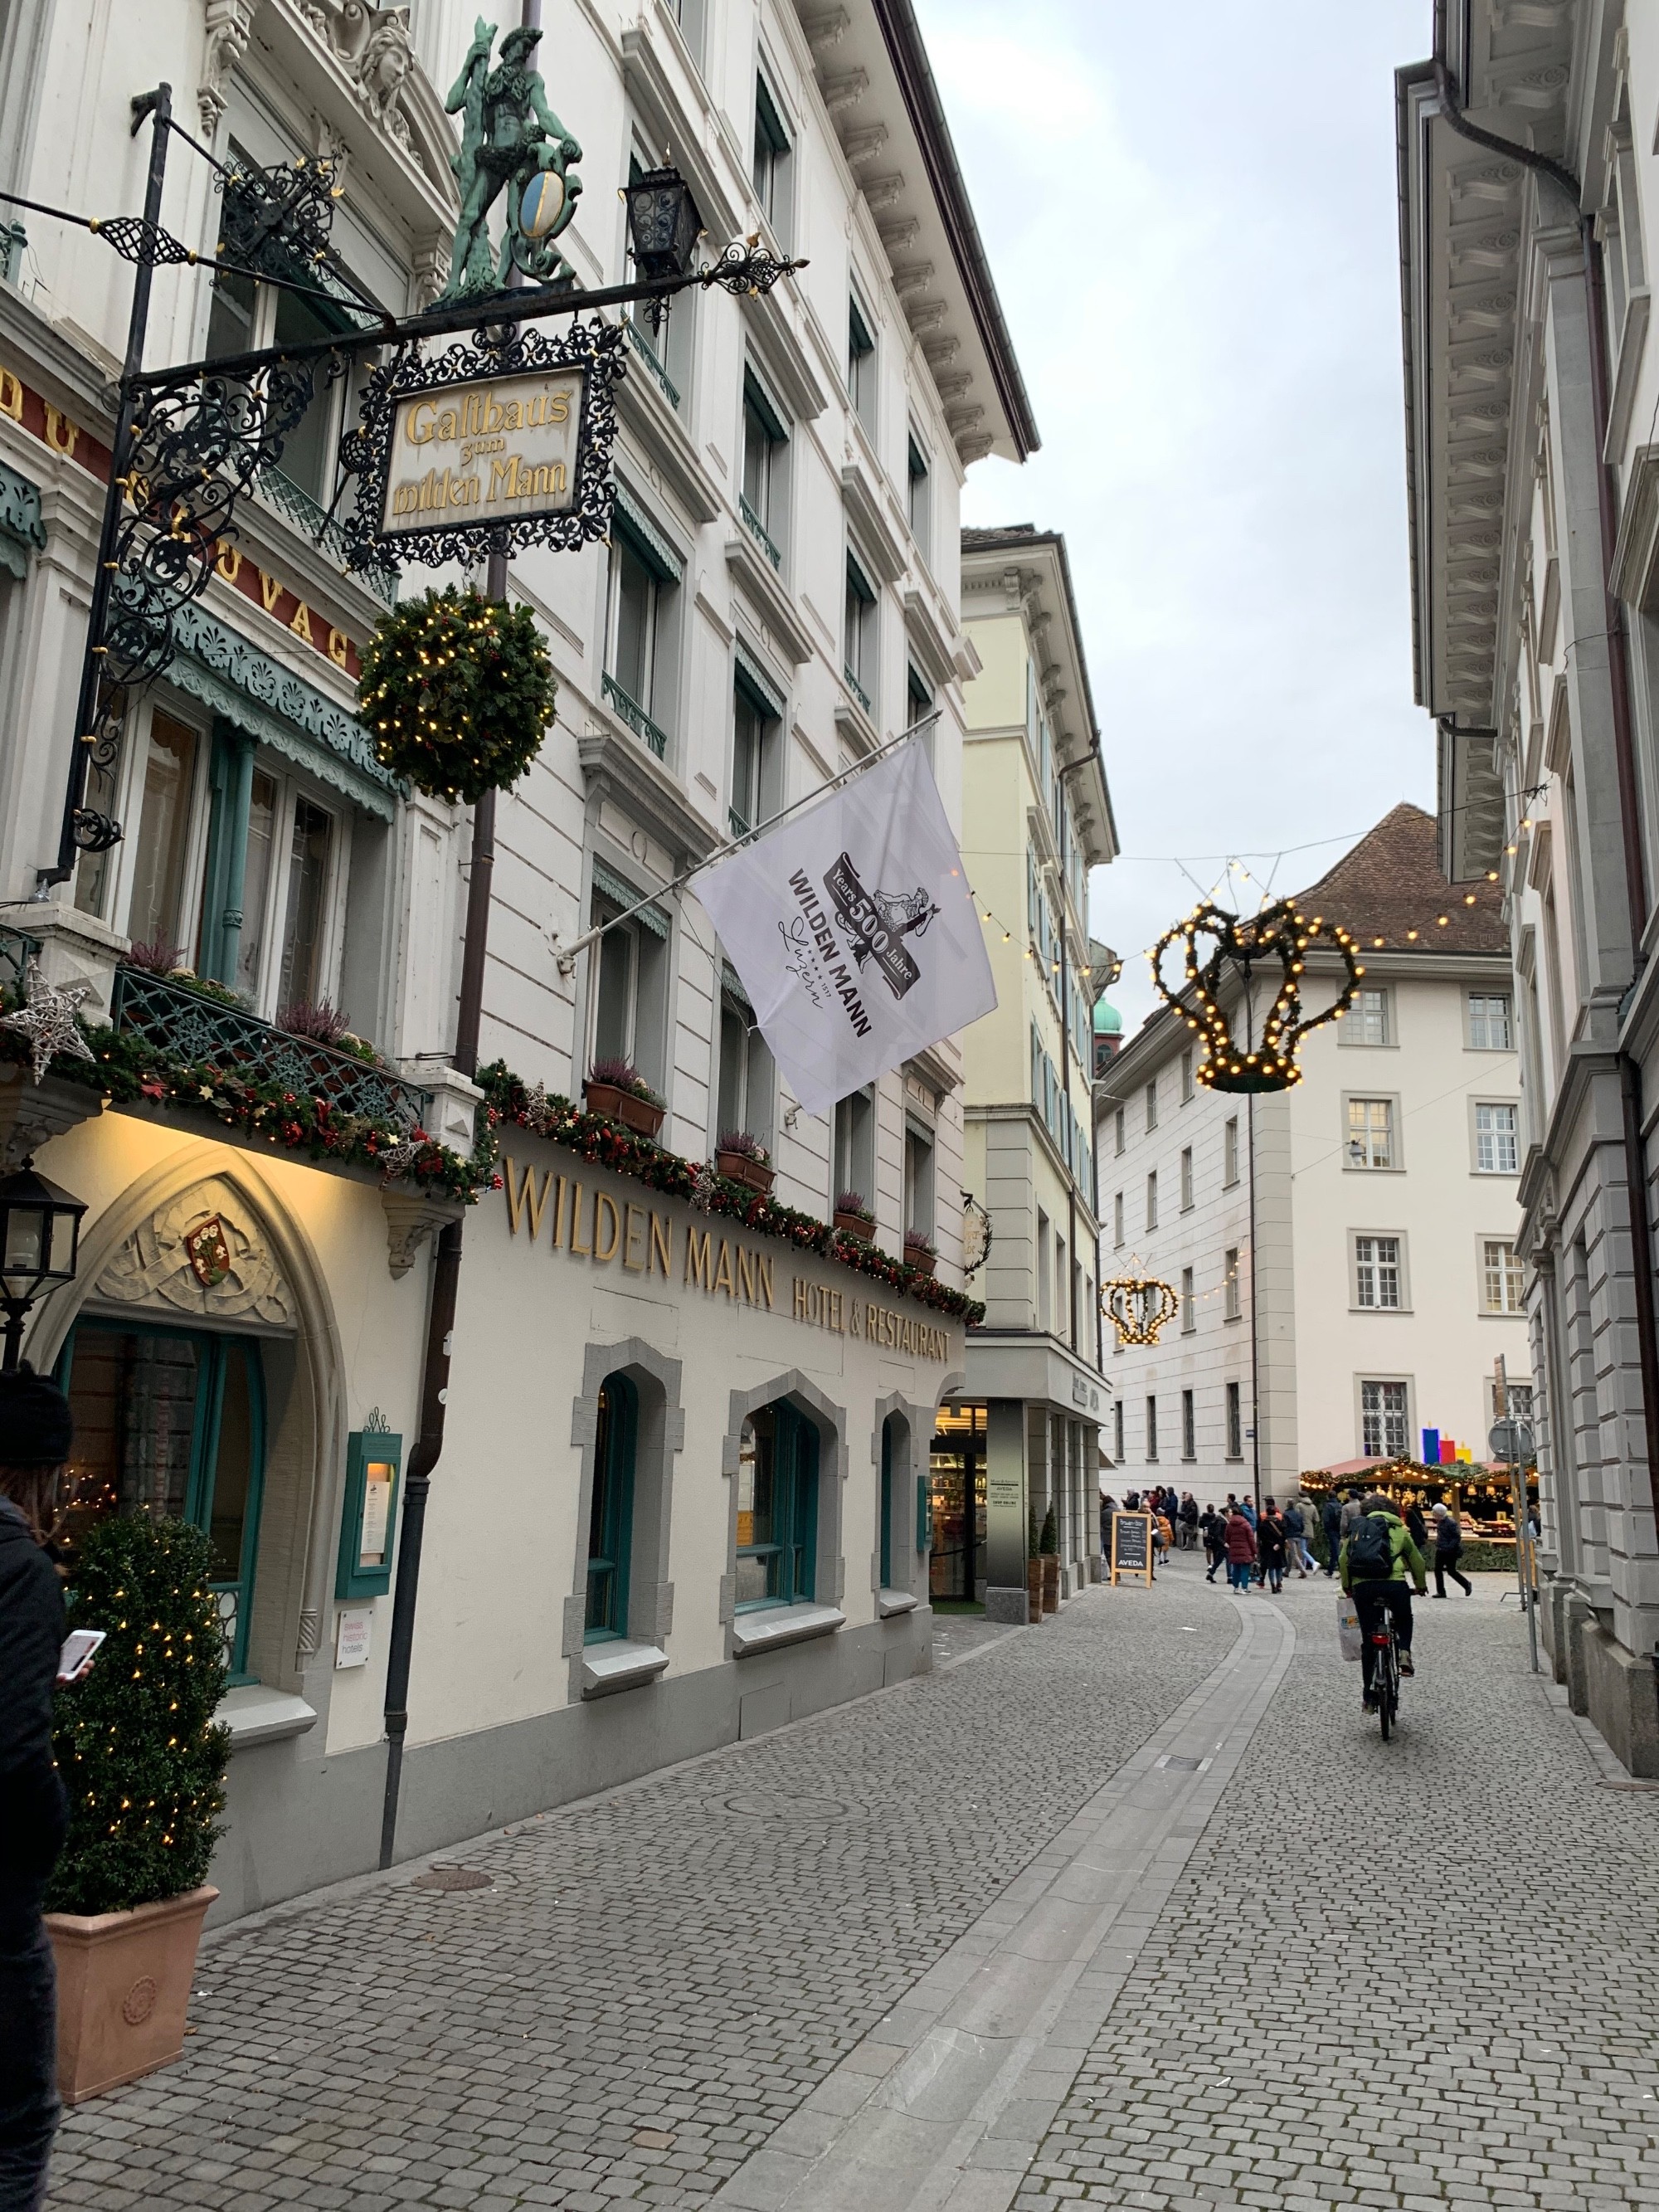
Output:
[[854, 1224], [639, 1114], [123, 1983], [603, 1098], [1034, 1590], [741, 1168], [923, 1262], [1051, 1585]]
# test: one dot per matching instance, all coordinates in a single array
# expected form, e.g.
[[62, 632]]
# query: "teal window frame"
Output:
[[214, 1351], [366, 1448], [611, 1512], [924, 1514], [794, 1541]]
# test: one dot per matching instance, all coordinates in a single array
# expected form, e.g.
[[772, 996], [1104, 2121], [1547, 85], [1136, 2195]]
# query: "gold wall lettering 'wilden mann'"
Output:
[[588, 1222], [507, 446]]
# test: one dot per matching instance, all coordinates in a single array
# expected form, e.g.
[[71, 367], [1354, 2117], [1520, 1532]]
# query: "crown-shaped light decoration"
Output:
[[1279, 932], [1137, 1306]]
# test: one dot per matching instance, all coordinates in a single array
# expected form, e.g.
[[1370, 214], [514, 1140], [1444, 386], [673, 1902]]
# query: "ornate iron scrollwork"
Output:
[[746, 268], [594, 346]]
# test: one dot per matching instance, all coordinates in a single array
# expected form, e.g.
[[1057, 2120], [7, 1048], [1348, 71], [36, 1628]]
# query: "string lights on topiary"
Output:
[[1138, 1307], [1280, 933], [458, 691]]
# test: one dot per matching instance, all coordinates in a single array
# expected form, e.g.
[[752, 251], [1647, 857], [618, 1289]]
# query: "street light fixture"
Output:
[[40, 1246], [664, 225]]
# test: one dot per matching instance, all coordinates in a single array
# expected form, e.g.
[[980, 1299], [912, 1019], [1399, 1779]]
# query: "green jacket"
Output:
[[1402, 1552]]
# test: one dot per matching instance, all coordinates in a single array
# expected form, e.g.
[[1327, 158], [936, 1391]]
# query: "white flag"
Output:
[[853, 931]]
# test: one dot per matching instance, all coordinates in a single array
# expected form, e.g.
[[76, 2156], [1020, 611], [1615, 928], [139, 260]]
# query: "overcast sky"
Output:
[[1190, 215]]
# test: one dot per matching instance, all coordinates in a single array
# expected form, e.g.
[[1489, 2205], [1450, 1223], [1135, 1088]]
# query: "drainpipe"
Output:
[[1635, 896]]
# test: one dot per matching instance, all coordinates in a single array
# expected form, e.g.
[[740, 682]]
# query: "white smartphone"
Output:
[[78, 1647]]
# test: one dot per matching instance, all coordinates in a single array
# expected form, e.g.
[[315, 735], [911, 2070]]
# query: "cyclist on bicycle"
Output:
[[1377, 1552]]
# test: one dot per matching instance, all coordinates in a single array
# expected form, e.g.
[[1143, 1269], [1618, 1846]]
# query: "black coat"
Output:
[[34, 1812]]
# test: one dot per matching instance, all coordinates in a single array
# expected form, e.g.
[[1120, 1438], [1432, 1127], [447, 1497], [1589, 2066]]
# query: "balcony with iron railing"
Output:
[[757, 531], [857, 689], [191, 1025], [634, 716], [648, 354], [735, 824], [16, 950], [297, 505]]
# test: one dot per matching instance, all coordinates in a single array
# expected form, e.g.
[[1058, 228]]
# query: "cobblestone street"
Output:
[[1135, 1908]]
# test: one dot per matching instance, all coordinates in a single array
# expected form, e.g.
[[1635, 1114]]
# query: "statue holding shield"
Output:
[[511, 143]]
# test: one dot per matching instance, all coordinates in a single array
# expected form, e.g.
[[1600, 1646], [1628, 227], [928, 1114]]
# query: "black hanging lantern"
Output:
[[664, 226], [39, 1245], [1279, 933], [1139, 1307]]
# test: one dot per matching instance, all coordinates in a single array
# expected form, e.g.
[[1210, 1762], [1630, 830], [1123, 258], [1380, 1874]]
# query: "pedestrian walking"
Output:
[[1239, 1543], [1330, 1520], [1296, 1545], [1447, 1551], [35, 1424], [1270, 1547], [1413, 1517], [1188, 1520], [1213, 1527], [1352, 1510]]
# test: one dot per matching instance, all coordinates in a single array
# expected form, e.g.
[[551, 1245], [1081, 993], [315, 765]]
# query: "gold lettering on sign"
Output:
[[11, 395], [605, 1248], [271, 589], [337, 642], [300, 624], [61, 433], [229, 562], [642, 1239]]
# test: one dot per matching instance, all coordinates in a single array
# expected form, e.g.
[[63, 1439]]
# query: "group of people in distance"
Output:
[[1175, 1518]]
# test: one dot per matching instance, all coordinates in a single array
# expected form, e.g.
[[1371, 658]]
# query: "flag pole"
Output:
[[565, 954]]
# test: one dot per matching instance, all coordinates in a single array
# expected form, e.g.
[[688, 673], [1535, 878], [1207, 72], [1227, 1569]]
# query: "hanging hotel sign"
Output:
[[486, 448]]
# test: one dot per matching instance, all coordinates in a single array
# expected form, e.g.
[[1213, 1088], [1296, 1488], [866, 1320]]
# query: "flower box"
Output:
[[740, 1167], [641, 1115], [923, 1262], [123, 1983], [856, 1224]]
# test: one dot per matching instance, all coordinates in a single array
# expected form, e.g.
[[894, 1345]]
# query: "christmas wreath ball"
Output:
[[457, 690]]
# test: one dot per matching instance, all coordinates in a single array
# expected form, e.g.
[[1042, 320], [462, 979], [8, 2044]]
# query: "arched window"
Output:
[[610, 1522], [777, 1508], [171, 1422]]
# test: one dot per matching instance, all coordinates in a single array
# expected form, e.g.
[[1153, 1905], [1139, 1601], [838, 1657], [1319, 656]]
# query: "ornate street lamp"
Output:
[[39, 1245], [664, 226]]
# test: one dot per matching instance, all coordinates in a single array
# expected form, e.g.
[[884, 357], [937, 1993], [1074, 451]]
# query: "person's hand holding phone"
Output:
[[75, 1660]]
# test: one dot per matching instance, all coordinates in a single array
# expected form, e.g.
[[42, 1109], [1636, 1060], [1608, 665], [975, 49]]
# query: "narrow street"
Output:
[[1134, 1907]]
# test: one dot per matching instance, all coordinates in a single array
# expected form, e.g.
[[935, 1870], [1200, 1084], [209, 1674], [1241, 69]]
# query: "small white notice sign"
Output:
[[351, 1630]]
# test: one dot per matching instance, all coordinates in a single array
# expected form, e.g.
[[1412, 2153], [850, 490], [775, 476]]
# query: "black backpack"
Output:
[[1370, 1551]]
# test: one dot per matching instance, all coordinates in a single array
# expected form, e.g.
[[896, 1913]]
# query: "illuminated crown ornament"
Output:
[[1137, 1306], [1280, 933]]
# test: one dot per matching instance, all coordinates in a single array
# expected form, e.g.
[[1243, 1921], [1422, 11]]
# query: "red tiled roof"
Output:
[[1390, 886]]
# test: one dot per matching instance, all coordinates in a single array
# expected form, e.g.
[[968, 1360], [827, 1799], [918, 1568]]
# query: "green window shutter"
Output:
[[625, 894], [757, 686], [756, 397], [631, 520]]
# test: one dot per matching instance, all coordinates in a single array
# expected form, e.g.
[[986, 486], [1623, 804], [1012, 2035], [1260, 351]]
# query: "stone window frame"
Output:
[[659, 1438], [902, 1531], [831, 1422]]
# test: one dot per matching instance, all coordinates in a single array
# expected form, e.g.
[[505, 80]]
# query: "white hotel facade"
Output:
[[680, 1494]]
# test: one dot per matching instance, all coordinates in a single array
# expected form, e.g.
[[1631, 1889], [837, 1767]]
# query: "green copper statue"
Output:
[[510, 141]]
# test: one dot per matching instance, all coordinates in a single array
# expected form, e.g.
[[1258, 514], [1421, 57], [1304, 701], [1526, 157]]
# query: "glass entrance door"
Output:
[[171, 1422], [956, 1476]]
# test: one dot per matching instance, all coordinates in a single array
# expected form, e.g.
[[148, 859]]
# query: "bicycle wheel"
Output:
[[1388, 1688]]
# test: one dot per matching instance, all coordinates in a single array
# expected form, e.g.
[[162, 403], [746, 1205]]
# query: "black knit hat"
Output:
[[36, 1426]]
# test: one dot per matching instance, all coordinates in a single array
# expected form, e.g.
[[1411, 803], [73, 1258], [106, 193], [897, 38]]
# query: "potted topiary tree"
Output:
[[744, 1159], [854, 1217], [1033, 1571], [144, 1763], [1049, 1545]]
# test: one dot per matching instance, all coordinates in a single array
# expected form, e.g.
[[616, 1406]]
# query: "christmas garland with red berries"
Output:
[[607, 1144]]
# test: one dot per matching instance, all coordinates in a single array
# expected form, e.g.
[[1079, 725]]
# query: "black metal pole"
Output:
[[158, 106]]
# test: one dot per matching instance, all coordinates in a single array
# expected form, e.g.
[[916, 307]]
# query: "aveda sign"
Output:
[[494, 451]]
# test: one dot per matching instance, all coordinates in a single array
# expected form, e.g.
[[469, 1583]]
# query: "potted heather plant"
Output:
[[744, 1159], [854, 1216], [616, 1088], [1033, 1570], [144, 1765], [1048, 1548], [919, 1251]]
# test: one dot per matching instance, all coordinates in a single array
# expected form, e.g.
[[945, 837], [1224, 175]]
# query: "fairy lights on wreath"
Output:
[[1279, 932], [458, 691], [1139, 1307]]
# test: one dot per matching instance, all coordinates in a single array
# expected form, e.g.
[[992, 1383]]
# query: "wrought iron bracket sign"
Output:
[[486, 447]]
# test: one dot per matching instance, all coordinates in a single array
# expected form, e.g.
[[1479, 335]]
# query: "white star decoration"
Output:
[[47, 1019], [399, 1158]]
